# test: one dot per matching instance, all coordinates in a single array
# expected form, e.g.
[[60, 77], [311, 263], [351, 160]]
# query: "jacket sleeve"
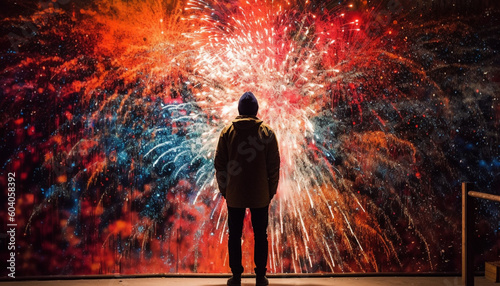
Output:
[[220, 164], [273, 165]]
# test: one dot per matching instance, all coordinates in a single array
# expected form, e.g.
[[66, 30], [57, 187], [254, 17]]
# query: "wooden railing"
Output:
[[468, 216]]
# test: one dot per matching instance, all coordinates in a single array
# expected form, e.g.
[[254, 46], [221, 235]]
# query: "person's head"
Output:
[[248, 104]]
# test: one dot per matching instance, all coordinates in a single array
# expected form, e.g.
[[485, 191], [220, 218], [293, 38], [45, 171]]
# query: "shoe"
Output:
[[234, 281], [261, 281]]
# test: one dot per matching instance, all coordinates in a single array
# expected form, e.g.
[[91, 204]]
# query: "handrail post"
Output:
[[467, 235]]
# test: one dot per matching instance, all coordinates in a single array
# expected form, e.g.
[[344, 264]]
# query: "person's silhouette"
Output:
[[247, 164]]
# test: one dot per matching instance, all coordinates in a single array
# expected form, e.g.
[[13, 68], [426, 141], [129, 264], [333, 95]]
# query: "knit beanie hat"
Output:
[[248, 104]]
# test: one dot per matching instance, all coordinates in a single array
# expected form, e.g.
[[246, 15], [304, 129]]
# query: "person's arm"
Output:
[[273, 165], [220, 164]]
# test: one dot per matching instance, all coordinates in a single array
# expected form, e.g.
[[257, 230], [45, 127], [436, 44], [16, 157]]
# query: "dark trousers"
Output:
[[259, 224]]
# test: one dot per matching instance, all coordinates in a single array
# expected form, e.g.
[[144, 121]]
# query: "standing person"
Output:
[[247, 164]]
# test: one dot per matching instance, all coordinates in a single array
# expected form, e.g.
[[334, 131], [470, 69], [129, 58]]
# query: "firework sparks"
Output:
[[260, 46], [119, 167]]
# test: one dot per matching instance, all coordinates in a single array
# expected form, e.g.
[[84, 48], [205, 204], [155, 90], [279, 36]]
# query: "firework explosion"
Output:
[[112, 111]]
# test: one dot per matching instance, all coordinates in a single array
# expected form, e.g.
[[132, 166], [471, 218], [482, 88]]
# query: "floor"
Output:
[[211, 281]]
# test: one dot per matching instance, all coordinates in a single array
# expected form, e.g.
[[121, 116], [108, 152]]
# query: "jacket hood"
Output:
[[248, 104], [246, 122]]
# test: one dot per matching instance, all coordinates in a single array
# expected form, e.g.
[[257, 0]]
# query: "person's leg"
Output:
[[259, 225], [235, 225]]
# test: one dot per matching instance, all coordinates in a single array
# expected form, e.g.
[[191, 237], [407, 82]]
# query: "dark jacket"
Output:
[[247, 163]]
